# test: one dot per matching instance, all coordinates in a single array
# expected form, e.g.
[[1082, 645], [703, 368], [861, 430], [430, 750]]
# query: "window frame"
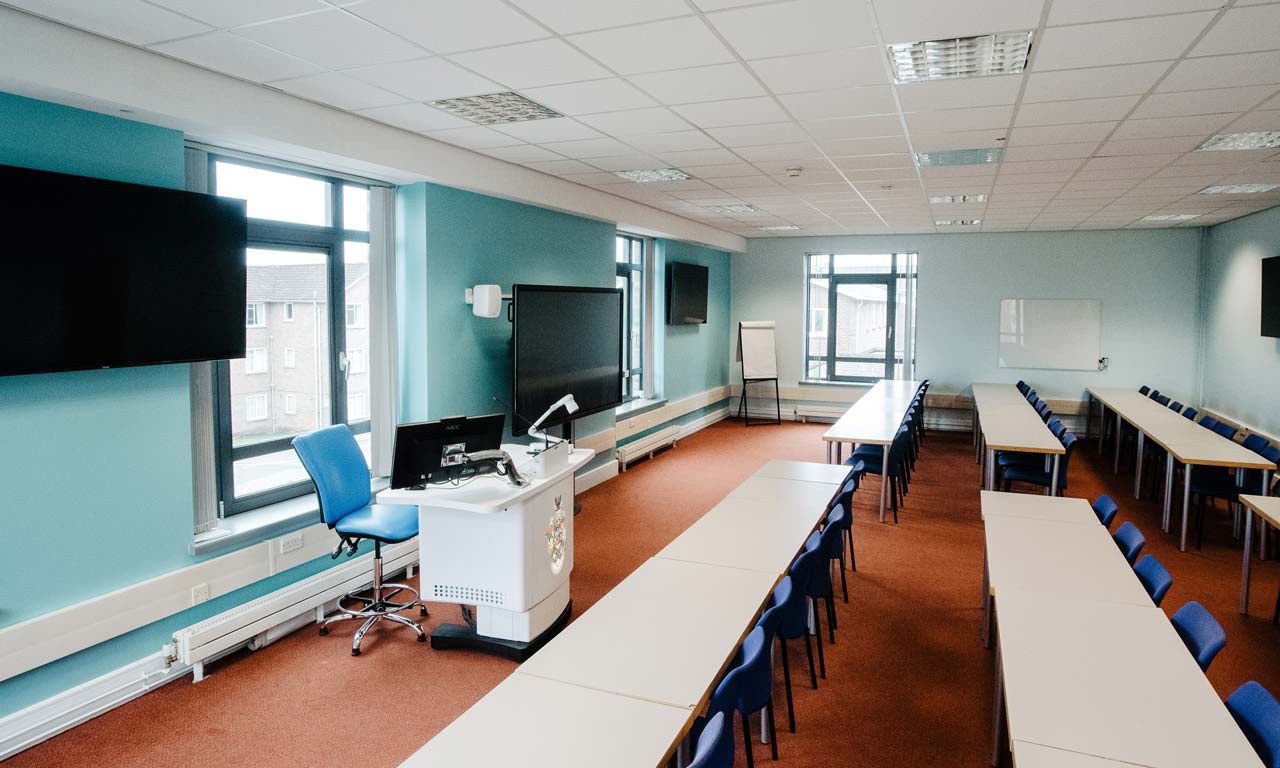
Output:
[[270, 234], [262, 397], [259, 314], [253, 353], [626, 270], [288, 311]]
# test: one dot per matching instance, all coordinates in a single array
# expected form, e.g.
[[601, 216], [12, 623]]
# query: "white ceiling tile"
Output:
[[592, 96], [881, 145], [870, 126], [1216, 100], [338, 90], [636, 121], [1039, 166], [415, 117], [1128, 161], [1118, 42], [233, 13], [333, 39], [751, 135], [721, 81], [674, 141], [1059, 134], [909, 21], [569, 16], [936, 142], [959, 93], [779, 153], [1195, 125], [869, 162], [527, 65], [1224, 72], [475, 137], [1050, 151], [528, 153], [560, 167], [425, 79], [628, 162], [1262, 120], [733, 112], [675, 44], [445, 26], [237, 56], [725, 170], [132, 21], [798, 26], [1081, 11], [973, 119], [680, 159], [828, 70], [554, 129], [732, 182], [1082, 111], [1242, 29], [848, 102], [586, 148], [1147, 146], [1096, 82]]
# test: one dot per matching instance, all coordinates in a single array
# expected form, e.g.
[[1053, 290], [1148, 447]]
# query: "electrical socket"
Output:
[[291, 543], [199, 594]]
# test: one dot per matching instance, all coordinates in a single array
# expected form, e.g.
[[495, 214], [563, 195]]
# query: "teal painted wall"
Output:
[[460, 239], [1241, 366], [693, 358]]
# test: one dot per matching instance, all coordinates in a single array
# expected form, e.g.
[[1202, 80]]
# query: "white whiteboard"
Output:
[[756, 349], [1051, 333]]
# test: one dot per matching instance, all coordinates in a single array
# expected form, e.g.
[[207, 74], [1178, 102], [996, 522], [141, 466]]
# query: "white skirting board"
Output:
[[593, 477]]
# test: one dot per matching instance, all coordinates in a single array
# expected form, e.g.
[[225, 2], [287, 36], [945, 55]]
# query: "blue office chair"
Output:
[[715, 745], [845, 499], [1039, 475], [1130, 540], [1226, 430], [1162, 399], [820, 586], [1201, 633], [838, 520], [1105, 508], [803, 572], [1144, 389], [1190, 413], [1257, 713], [748, 688], [788, 619], [1208, 422], [1154, 577], [1153, 394], [333, 459], [1175, 406], [1255, 442]]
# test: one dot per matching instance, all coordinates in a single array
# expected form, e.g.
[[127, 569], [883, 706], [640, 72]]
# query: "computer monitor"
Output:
[[434, 451]]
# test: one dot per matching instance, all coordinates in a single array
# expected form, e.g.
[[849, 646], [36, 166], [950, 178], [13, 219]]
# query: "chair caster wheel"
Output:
[[423, 613], [422, 638], [324, 631], [355, 651]]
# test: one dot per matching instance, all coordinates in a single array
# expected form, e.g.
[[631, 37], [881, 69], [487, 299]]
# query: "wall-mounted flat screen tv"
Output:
[[567, 341], [686, 293], [1271, 297], [104, 274]]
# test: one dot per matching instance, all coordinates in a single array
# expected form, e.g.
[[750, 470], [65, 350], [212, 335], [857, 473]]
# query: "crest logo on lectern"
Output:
[[557, 534]]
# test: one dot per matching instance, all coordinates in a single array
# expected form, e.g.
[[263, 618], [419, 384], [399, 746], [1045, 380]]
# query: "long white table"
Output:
[[873, 420], [1268, 508], [1004, 420], [1183, 440]]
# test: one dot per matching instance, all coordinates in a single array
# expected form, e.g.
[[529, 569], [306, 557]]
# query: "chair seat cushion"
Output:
[[384, 522], [1034, 476], [1211, 483], [1014, 459]]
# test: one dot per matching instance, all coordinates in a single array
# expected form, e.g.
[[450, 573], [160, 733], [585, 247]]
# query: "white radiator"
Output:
[[647, 445], [820, 412], [255, 620]]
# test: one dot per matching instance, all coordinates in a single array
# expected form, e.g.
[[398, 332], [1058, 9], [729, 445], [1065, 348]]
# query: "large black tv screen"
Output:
[[1271, 297], [568, 341], [104, 274]]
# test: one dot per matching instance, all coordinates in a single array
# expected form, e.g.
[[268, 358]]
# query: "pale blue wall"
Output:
[[1146, 281], [691, 358], [1241, 366]]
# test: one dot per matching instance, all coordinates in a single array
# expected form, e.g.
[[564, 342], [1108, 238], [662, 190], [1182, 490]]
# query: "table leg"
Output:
[[1244, 569], [997, 714], [977, 439], [1053, 489], [1119, 421], [991, 469], [884, 481], [828, 453], [1168, 491], [1137, 467], [1186, 505], [839, 453], [986, 604]]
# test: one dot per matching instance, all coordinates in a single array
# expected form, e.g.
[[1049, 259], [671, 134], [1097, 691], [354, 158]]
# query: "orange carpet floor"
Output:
[[908, 682]]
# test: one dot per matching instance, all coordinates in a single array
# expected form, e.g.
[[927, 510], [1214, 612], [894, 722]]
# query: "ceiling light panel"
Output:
[[495, 108], [1172, 217], [949, 199], [1239, 141], [958, 222], [999, 54], [1238, 189], [646, 175], [780, 228], [741, 208], [958, 157]]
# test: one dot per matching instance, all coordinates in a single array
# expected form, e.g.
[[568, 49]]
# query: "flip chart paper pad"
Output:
[[1063, 334], [756, 349]]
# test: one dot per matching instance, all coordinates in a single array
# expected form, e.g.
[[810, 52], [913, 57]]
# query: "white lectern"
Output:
[[506, 550]]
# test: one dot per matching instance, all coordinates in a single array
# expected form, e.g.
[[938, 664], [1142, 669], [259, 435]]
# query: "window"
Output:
[[308, 263], [255, 315], [629, 259], [861, 310], [355, 315], [255, 407], [359, 361], [255, 360]]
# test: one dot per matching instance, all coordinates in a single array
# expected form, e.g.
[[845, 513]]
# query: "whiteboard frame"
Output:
[[1088, 346]]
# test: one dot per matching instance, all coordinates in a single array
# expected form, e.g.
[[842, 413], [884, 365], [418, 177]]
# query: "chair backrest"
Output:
[[1144, 389], [1208, 422], [802, 569], [1175, 406], [1255, 443], [1257, 713], [831, 541], [757, 676], [1154, 576], [333, 459], [1022, 386], [1105, 508], [1226, 430], [1032, 397], [1069, 441], [1190, 413], [715, 744], [1130, 540], [819, 584], [788, 617], [1154, 394], [1201, 633], [1272, 454], [1163, 399]]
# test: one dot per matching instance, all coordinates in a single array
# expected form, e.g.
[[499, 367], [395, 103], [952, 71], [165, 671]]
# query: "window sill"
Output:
[[845, 384], [633, 408], [264, 523]]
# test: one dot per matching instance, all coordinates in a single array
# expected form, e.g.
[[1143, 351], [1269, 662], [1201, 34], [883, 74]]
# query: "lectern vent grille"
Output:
[[469, 594]]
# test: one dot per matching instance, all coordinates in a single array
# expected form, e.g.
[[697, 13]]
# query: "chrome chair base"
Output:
[[374, 604]]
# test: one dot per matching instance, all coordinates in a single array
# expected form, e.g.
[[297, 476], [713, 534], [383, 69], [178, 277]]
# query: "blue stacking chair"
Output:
[[788, 619], [715, 745], [845, 499], [1257, 713], [333, 459], [1023, 387], [1208, 422], [1154, 576], [838, 520], [748, 688], [1038, 475], [1130, 540], [1175, 406], [820, 586], [1190, 413], [1153, 394], [1162, 399], [895, 476], [1201, 633], [1226, 430], [1144, 389], [803, 572], [1006, 459], [1255, 442], [1105, 508]]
